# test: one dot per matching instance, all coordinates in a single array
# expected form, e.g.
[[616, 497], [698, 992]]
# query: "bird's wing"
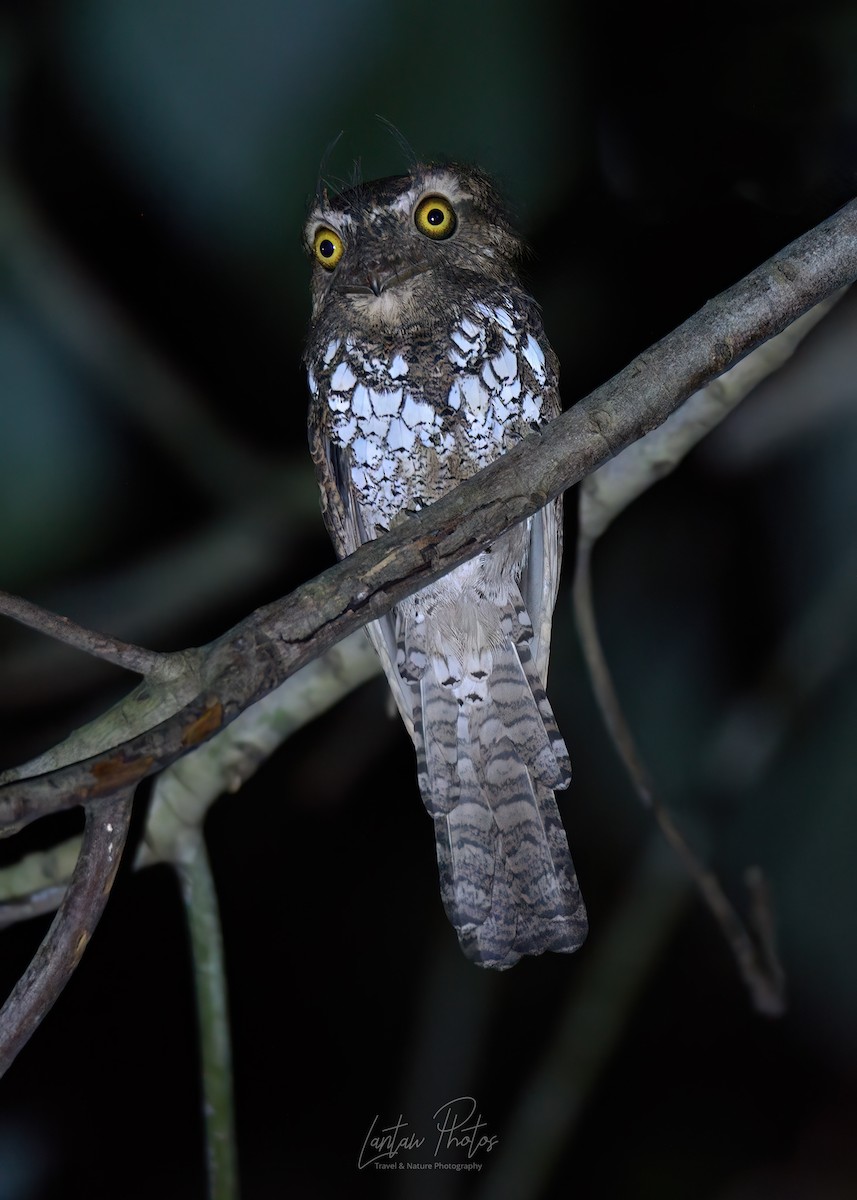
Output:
[[342, 519], [540, 579]]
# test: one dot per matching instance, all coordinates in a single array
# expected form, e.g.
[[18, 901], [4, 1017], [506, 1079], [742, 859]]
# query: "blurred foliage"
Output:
[[165, 152]]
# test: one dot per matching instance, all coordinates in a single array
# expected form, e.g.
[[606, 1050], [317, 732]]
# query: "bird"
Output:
[[426, 359]]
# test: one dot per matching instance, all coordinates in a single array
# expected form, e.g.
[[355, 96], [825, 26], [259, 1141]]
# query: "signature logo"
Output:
[[458, 1137]]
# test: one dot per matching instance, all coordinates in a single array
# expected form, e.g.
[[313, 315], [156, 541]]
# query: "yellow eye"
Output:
[[435, 217], [327, 247]]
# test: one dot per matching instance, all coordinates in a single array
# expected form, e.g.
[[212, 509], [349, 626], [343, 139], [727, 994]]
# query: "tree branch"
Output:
[[754, 950], [212, 1007], [100, 645], [36, 991], [261, 651]]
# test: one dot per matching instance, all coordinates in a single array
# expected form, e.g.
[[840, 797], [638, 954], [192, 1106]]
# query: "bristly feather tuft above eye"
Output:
[[356, 175], [322, 184], [402, 142]]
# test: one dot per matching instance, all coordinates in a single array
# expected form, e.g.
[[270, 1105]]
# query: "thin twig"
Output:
[[602, 683], [209, 971], [163, 591], [756, 957], [100, 645], [38, 988]]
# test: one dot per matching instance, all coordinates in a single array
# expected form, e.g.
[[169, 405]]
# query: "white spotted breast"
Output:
[[415, 419]]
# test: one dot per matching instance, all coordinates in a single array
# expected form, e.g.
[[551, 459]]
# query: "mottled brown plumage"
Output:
[[426, 359]]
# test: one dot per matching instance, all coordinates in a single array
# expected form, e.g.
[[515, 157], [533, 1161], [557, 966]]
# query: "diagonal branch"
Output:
[[261, 651], [38, 988]]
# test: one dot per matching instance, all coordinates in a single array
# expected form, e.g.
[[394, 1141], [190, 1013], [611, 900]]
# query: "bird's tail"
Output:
[[489, 758]]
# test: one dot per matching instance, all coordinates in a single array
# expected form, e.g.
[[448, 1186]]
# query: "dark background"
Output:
[[155, 483]]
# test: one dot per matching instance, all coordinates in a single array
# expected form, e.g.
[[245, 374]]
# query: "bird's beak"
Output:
[[379, 276]]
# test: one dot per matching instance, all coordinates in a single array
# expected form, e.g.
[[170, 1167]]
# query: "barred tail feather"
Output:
[[490, 756]]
